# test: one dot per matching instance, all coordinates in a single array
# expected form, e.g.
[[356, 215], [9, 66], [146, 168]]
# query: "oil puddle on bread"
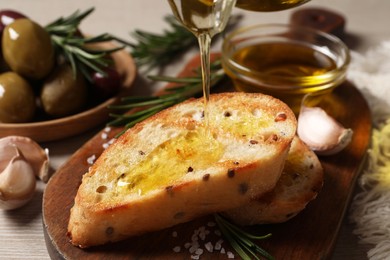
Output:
[[193, 151]]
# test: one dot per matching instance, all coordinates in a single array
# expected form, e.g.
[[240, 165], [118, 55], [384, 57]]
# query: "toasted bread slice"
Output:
[[170, 168], [300, 182]]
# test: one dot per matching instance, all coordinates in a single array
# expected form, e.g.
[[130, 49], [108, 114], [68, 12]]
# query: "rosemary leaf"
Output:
[[85, 54], [154, 50], [249, 249], [145, 103], [233, 242], [187, 87], [139, 98], [73, 47], [85, 71], [241, 240], [71, 59], [69, 24], [176, 80], [141, 118], [90, 64], [243, 233]]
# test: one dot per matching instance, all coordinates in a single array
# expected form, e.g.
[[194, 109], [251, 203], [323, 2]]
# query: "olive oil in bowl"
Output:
[[284, 61], [268, 5]]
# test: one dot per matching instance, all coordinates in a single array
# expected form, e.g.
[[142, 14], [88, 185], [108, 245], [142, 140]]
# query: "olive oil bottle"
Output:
[[202, 16]]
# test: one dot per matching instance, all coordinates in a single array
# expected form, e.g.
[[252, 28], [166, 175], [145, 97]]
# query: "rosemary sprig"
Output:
[[242, 241], [154, 50], [74, 47], [146, 106]]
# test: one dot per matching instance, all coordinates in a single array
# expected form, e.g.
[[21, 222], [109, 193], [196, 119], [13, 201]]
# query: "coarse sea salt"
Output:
[[218, 245], [230, 255], [199, 251], [209, 247], [106, 145], [193, 248], [197, 246], [91, 159], [104, 136]]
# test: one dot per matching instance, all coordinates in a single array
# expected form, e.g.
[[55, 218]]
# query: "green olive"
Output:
[[3, 65], [62, 94], [27, 49], [17, 101]]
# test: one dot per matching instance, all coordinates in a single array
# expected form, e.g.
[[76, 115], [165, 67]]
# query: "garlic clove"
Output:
[[322, 133], [7, 152], [33, 152], [17, 182]]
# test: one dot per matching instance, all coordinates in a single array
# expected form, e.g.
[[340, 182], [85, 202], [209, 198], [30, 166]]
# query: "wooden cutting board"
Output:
[[310, 235]]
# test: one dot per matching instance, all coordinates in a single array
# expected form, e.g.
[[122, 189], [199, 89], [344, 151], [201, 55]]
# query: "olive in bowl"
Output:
[[62, 93], [17, 100], [9, 16], [105, 86], [27, 49]]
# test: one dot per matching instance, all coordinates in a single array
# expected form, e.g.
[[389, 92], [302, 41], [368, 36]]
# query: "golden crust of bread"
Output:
[[300, 182], [170, 169]]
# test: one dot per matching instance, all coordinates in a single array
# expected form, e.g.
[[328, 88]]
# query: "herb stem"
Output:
[[241, 240], [72, 45], [185, 88]]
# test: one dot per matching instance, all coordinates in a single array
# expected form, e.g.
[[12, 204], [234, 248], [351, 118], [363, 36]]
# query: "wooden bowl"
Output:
[[55, 129]]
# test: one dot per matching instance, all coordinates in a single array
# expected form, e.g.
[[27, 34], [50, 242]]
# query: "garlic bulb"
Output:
[[322, 133], [21, 161], [17, 180], [32, 151]]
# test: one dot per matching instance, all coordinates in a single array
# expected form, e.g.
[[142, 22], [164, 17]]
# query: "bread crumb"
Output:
[[176, 249], [174, 234]]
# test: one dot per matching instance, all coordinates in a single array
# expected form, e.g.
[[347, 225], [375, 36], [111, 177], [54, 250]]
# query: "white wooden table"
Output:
[[21, 231]]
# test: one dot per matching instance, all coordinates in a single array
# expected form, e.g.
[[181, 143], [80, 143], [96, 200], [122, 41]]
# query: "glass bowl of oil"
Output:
[[284, 61]]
